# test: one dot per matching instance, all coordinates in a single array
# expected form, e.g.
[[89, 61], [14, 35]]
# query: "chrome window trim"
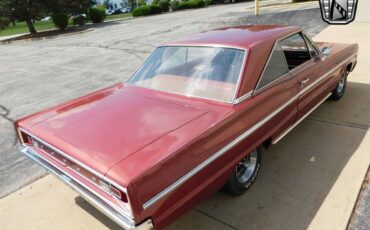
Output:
[[307, 44], [240, 138], [237, 85], [244, 97], [312, 42], [102, 177], [256, 89], [265, 67], [241, 74]]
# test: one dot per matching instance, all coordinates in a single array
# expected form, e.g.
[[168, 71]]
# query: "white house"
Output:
[[113, 4], [117, 4]]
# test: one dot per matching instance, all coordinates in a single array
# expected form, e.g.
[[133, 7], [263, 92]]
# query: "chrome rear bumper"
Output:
[[98, 203]]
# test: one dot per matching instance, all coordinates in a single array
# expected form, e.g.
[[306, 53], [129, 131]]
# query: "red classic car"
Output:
[[192, 119]]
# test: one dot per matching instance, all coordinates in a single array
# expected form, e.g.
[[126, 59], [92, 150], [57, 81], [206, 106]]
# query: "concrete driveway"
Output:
[[35, 75], [309, 180]]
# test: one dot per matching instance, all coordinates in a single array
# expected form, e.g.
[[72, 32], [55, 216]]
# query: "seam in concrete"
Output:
[[6, 117], [215, 219], [350, 125]]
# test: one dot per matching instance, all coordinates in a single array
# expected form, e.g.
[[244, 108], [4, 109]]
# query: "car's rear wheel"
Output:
[[245, 173], [339, 90]]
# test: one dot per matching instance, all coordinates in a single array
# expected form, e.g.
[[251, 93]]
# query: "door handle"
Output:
[[304, 81]]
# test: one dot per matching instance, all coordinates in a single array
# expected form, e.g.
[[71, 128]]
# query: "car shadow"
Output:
[[297, 173], [110, 224]]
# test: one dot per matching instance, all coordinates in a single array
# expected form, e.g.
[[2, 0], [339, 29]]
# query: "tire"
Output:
[[340, 89], [242, 178]]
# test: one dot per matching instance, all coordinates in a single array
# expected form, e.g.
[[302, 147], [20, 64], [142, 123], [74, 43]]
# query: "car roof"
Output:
[[242, 37]]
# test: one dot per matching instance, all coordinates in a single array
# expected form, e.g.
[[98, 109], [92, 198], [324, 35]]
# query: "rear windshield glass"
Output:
[[205, 72]]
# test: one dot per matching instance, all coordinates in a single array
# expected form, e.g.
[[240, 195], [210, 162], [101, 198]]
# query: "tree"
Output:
[[31, 10], [108, 4]]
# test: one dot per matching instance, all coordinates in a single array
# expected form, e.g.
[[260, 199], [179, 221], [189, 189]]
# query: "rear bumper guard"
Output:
[[95, 201]]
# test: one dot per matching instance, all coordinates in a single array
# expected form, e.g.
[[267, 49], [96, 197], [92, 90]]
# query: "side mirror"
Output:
[[326, 51]]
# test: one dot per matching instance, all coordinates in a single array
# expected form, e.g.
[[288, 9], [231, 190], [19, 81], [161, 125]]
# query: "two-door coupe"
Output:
[[192, 119]]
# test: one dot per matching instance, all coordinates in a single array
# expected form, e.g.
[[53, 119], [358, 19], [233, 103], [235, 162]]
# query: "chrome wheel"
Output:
[[339, 90], [245, 173], [341, 84], [246, 167]]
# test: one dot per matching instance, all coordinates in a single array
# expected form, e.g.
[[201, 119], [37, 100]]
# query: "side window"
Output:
[[295, 50], [311, 48], [275, 67]]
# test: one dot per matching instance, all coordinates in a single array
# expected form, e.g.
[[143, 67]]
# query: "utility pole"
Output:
[[256, 7]]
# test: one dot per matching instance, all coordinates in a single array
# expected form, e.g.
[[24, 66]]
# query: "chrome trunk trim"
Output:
[[90, 196], [75, 161]]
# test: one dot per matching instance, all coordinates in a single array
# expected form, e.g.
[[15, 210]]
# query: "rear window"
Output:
[[205, 72]]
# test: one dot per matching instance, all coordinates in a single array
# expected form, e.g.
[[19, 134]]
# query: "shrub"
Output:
[[142, 11], [4, 22], [302, 0], [146, 10], [165, 5], [200, 3], [174, 5], [208, 2], [97, 14], [141, 3], [191, 4], [60, 20], [155, 9], [79, 20]]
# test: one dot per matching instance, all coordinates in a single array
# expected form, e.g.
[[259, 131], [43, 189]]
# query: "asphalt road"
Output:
[[35, 75]]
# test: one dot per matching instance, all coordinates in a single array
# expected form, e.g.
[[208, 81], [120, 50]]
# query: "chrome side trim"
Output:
[[300, 120], [313, 84], [216, 155], [102, 205], [236, 141]]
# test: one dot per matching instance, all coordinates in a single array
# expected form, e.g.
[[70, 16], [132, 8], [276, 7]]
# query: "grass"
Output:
[[21, 27], [118, 16]]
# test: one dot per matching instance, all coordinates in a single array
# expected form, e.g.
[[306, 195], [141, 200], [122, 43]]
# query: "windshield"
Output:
[[205, 72]]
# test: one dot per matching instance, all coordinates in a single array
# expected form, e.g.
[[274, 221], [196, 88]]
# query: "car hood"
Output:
[[104, 128]]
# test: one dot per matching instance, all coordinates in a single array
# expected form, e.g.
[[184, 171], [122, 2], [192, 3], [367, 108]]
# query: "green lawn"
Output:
[[21, 27], [117, 16]]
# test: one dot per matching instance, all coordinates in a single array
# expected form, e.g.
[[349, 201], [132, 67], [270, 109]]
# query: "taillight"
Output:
[[29, 140], [113, 191], [106, 187], [24, 138], [117, 193]]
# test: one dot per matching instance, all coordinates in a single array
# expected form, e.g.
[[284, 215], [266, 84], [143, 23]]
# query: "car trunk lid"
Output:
[[102, 129]]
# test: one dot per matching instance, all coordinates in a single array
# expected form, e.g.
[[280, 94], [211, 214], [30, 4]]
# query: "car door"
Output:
[[305, 63], [275, 95]]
